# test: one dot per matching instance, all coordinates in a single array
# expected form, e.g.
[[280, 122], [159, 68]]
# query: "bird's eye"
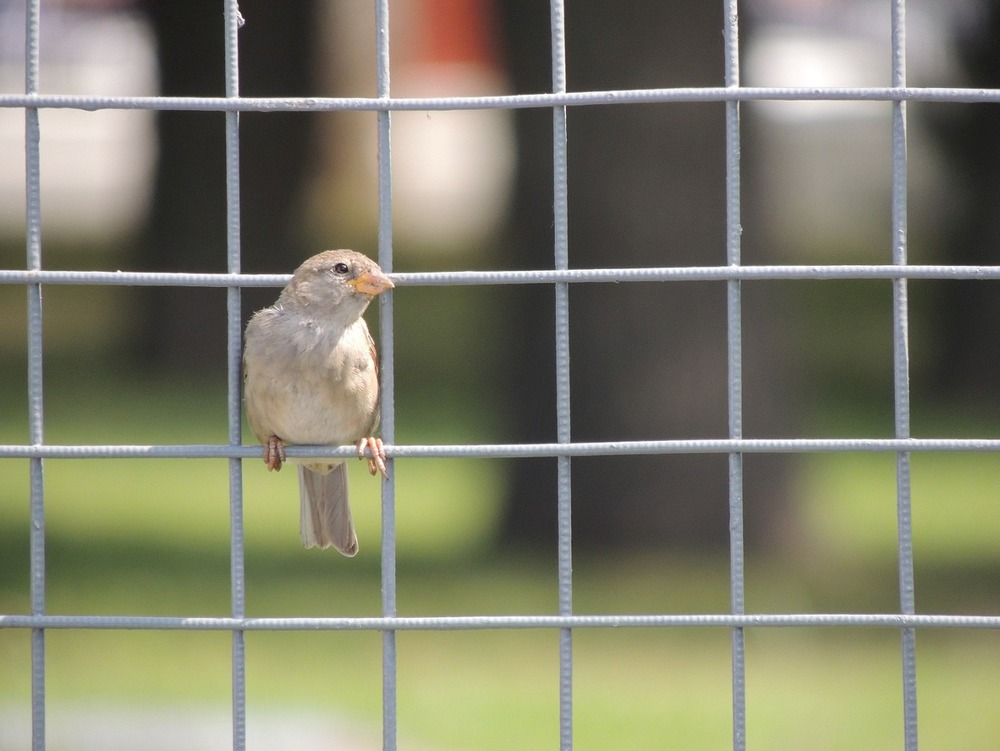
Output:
[[341, 268]]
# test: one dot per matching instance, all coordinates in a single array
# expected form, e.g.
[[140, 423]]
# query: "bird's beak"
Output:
[[372, 283]]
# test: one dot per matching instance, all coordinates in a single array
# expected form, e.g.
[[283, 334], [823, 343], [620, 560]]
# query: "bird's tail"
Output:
[[326, 515]]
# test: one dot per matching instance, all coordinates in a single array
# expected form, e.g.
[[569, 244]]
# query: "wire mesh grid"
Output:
[[906, 621]]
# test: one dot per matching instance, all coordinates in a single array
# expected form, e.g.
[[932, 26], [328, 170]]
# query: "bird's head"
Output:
[[337, 279]]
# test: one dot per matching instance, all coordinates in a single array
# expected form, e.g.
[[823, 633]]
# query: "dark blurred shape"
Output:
[[186, 229], [967, 357], [648, 361]]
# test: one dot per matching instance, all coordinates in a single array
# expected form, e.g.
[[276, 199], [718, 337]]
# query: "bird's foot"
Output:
[[274, 453], [376, 463]]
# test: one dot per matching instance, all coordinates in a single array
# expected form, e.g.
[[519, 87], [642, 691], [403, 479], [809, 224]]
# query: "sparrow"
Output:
[[310, 376]]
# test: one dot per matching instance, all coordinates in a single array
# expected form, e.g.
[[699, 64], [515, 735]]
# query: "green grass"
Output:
[[151, 537]]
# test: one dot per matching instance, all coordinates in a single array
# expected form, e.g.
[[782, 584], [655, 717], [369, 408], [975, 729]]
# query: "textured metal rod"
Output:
[[901, 376], [524, 450], [564, 496], [489, 622], [389, 658], [734, 354], [33, 261], [233, 21], [507, 102], [539, 276]]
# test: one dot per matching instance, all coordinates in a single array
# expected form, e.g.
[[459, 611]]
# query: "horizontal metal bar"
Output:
[[483, 622], [536, 276], [507, 101], [699, 273], [141, 278], [521, 450]]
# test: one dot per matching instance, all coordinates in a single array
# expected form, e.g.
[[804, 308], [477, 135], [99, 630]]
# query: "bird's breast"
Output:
[[313, 386]]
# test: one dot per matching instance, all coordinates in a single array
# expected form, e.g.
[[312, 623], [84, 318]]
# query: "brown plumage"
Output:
[[311, 377]]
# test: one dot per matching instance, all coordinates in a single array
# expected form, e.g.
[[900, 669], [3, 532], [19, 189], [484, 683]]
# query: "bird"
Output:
[[310, 376]]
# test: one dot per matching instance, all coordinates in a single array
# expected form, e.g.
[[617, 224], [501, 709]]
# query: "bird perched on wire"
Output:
[[310, 376]]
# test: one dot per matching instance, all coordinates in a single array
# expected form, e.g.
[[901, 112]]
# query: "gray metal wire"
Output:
[[533, 276], [485, 622], [734, 354], [901, 376], [32, 148], [560, 261], [898, 273], [234, 373], [523, 450], [509, 101], [387, 396]]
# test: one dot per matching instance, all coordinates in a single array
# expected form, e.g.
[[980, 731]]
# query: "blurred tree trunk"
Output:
[[967, 346], [648, 360], [186, 228]]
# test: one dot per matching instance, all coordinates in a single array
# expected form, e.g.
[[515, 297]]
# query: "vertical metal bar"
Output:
[[901, 376], [561, 261], [734, 335], [387, 396], [33, 248], [233, 20]]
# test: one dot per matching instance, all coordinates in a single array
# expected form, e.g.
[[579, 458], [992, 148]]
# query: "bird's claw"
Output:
[[274, 453], [376, 463]]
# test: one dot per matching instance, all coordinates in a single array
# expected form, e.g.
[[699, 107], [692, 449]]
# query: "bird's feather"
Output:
[[326, 515]]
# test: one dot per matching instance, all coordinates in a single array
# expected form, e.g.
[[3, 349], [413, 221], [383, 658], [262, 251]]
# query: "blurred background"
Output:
[[137, 190]]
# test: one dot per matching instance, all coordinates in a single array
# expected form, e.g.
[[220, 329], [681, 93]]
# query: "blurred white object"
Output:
[[827, 165], [96, 167], [451, 170]]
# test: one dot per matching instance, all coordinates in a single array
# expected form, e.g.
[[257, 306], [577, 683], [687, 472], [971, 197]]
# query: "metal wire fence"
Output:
[[33, 277]]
